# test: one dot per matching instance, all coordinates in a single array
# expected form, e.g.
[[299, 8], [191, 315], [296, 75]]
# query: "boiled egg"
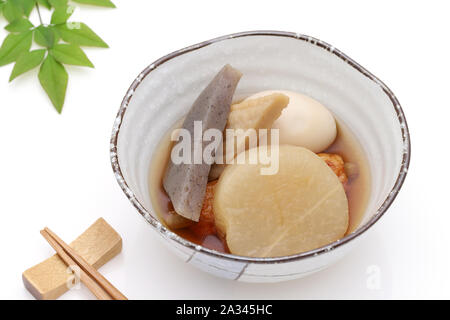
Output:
[[305, 122]]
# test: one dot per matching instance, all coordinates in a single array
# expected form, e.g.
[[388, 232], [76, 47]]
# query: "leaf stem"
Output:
[[39, 13]]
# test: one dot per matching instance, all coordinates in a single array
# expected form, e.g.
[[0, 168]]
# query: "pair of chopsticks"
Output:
[[93, 279]]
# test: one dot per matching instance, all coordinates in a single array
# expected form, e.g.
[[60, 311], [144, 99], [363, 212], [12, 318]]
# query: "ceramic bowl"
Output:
[[164, 91]]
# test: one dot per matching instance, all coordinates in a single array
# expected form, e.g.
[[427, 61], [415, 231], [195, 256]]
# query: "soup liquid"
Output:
[[346, 145]]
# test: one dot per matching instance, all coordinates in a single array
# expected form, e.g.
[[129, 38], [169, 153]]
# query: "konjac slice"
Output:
[[300, 208], [185, 183]]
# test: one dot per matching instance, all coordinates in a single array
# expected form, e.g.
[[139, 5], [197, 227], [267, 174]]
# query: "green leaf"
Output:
[[14, 45], [12, 10], [53, 77], [15, 9], [80, 34], [19, 25], [101, 3], [61, 14], [45, 4], [44, 36], [58, 3], [27, 6], [26, 62], [70, 54]]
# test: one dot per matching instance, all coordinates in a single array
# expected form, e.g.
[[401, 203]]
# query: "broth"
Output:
[[346, 145]]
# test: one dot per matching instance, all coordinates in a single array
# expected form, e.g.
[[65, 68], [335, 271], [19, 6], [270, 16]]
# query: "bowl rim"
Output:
[[168, 234]]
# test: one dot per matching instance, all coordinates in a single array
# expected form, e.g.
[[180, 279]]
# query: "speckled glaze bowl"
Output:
[[165, 90]]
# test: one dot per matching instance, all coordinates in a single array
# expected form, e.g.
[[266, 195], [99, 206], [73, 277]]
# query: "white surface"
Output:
[[56, 171]]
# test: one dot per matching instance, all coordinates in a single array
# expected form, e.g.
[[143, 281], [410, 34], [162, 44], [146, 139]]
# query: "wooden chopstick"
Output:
[[98, 291], [90, 271]]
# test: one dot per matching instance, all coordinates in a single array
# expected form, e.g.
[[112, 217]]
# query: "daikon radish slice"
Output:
[[302, 207]]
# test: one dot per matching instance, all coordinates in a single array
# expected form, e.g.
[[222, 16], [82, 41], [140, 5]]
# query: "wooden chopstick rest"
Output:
[[97, 245], [99, 292], [93, 279]]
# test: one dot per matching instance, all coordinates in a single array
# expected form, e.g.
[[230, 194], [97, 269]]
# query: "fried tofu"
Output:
[[336, 163]]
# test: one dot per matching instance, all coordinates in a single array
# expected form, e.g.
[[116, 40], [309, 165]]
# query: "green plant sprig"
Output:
[[60, 42]]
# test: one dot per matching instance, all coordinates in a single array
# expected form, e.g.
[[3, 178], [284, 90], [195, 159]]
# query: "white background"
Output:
[[55, 169]]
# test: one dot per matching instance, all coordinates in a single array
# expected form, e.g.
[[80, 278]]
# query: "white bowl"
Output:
[[165, 90]]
